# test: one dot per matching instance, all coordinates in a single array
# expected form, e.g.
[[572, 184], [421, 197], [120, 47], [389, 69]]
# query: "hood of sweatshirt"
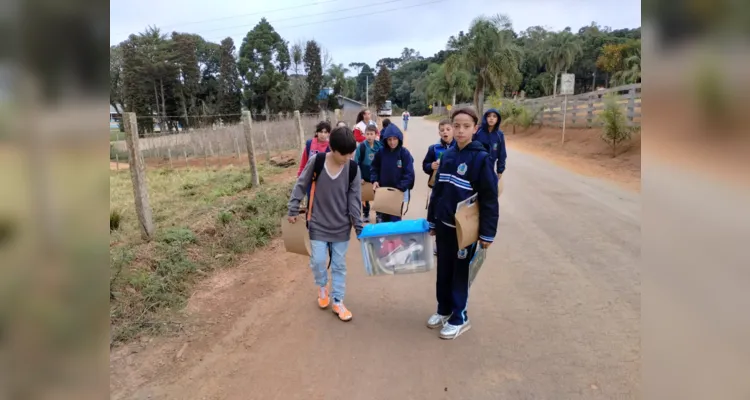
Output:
[[391, 131], [471, 147], [485, 126]]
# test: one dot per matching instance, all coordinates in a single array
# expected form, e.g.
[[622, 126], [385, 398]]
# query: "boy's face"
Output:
[[393, 142], [492, 119], [370, 136], [463, 128], [339, 158], [323, 135], [446, 133]]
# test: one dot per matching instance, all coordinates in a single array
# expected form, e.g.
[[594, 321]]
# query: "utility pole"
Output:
[[593, 81]]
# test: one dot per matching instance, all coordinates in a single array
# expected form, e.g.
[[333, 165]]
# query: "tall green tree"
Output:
[[490, 54], [189, 74], [116, 91], [230, 84], [445, 87], [337, 75], [562, 50], [263, 64], [382, 86], [314, 70], [631, 73], [297, 56]]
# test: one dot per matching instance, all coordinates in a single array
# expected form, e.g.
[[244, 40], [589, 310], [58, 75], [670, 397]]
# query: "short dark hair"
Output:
[[342, 140], [386, 122], [444, 122], [323, 125], [468, 111], [371, 128]]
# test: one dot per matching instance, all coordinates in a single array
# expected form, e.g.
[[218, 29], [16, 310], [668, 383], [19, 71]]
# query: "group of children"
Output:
[[468, 159]]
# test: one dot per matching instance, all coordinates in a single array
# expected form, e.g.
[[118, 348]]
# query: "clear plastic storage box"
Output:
[[403, 247]]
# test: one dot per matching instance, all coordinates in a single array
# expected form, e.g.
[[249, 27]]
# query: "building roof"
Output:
[[350, 100]]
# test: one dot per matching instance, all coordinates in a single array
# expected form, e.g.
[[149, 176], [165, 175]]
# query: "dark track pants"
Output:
[[452, 286]]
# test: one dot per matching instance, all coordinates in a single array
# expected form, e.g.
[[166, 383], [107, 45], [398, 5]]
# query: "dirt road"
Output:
[[555, 313]]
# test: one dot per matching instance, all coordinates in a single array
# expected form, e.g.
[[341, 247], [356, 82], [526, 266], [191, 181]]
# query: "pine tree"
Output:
[[314, 70], [230, 85], [382, 86]]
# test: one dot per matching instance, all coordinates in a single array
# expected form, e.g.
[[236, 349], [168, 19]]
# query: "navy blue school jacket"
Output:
[[493, 142], [393, 167], [433, 154], [463, 173]]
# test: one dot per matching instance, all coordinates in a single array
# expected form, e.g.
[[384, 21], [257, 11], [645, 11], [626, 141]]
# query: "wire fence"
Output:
[[218, 143]]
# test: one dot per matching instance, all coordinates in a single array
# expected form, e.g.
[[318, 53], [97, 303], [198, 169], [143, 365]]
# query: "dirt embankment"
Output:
[[584, 152]]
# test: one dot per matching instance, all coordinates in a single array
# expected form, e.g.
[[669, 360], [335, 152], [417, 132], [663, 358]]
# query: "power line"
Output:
[[340, 19], [248, 15], [306, 15]]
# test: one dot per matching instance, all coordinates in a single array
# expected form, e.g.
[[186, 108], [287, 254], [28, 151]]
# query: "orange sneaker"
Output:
[[323, 299], [341, 310]]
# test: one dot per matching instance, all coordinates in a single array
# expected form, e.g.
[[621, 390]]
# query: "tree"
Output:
[[446, 87], [632, 71], [614, 124], [611, 59], [189, 74], [297, 54], [490, 54], [337, 75], [562, 50], [230, 84], [382, 86], [314, 70], [264, 60], [389, 62], [365, 77], [116, 90]]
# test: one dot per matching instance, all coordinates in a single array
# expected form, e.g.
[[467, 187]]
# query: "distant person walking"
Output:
[[405, 116]]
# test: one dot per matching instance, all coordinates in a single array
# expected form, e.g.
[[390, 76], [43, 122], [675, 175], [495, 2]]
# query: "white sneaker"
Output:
[[437, 321], [453, 331]]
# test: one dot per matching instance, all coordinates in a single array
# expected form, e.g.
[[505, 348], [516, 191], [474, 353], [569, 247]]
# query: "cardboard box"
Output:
[[296, 237], [393, 248], [368, 193], [389, 201], [467, 222]]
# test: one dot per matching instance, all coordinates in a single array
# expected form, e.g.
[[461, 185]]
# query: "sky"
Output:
[[361, 30]]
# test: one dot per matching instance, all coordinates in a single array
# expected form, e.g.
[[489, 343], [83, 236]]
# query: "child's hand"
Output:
[[292, 219], [484, 244], [435, 165], [432, 232], [375, 186]]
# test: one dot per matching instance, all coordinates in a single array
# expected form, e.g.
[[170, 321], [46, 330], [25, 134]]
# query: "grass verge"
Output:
[[204, 220], [435, 117]]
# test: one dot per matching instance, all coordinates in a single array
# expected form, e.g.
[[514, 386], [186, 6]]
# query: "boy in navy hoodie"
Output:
[[493, 139], [465, 170], [393, 166]]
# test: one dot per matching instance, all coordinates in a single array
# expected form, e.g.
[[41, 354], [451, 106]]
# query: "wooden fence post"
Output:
[[336, 116], [631, 106], [248, 129], [300, 130], [590, 112], [267, 146], [138, 177]]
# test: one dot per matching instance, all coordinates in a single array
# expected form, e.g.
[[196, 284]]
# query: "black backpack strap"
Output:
[[352, 171], [362, 151]]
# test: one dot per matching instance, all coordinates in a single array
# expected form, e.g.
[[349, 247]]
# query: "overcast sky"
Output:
[[361, 30]]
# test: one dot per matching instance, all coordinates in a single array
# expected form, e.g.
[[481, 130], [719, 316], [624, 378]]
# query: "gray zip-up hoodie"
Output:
[[336, 205]]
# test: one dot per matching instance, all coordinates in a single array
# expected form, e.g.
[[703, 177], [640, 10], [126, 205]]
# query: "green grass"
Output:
[[204, 220], [435, 117]]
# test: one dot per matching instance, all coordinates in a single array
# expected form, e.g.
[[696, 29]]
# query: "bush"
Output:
[[178, 236], [615, 129], [114, 220]]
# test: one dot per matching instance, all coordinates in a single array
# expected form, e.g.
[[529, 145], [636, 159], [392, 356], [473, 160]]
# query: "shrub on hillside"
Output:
[[615, 129]]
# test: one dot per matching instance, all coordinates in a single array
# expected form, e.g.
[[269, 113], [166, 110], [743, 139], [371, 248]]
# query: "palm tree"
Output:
[[445, 87], [561, 52], [632, 73], [490, 54], [337, 75]]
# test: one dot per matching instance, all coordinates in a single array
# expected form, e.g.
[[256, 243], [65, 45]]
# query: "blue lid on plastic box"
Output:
[[396, 228]]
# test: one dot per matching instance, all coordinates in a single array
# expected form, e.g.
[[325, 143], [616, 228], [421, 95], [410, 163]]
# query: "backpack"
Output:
[[308, 145], [317, 170]]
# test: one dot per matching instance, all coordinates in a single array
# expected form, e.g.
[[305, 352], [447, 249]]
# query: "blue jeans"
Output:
[[406, 124], [319, 266]]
